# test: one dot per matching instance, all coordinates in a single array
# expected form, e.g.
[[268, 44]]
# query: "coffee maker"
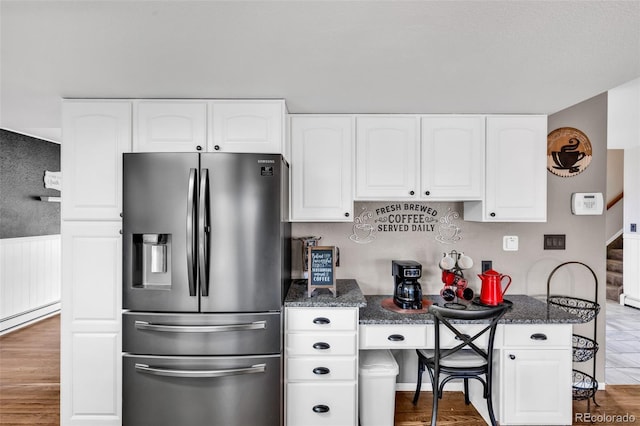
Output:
[[408, 292]]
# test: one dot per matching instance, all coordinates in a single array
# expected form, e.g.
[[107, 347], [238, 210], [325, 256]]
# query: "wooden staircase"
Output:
[[614, 270]]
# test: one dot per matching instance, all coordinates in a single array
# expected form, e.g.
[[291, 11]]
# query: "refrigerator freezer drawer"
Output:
[[201, 334], [196, 391]]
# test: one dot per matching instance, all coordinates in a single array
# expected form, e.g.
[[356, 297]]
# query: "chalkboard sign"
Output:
[[322, 269]]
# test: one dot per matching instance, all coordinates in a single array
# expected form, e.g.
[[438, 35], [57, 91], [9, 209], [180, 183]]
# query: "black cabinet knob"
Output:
[[321, 346], [492, 214], [198, 148], [538, 336], [412, 192], [320, 408], [346, 214], [512, 356], [396, 338], [321, 321], [216, 147], [321, 370], [427, 192]]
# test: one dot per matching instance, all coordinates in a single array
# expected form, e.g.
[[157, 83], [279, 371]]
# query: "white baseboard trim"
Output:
[[627, 300], [614, 236], [24, 319]]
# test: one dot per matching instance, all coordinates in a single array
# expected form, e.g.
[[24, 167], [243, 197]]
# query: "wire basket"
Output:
[[585, 309], [583, 348], [584, 386]]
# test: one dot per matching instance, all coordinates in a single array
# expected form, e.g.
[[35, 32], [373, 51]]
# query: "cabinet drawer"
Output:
[[537, 335], [321, 344], [321, 404], [394, 336], [321, 368], [321, 319]]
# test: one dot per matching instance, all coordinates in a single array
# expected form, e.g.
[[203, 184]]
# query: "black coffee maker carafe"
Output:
[[408, 292]]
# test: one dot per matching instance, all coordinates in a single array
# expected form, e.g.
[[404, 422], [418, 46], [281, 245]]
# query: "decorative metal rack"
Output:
[[584, 348]]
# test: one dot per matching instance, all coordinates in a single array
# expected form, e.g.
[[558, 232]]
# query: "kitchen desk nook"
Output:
[[323, 335]]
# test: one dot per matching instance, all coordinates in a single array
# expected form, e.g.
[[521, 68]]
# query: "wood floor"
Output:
[[30, 375], [616, 400], [30, 389]]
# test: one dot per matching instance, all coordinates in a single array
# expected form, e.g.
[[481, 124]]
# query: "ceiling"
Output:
[[375, 56]]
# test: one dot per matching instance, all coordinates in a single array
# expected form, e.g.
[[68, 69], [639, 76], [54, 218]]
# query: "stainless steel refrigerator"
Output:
[[206, 266]]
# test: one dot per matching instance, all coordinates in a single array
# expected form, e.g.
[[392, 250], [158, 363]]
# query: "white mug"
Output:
[[465, 262], [447, 262]]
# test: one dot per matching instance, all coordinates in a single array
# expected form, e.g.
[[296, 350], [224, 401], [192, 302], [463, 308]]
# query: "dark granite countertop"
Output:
[[349, 296], [526, 310]]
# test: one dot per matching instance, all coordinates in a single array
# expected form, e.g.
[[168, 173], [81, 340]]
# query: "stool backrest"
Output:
[[453, 319]]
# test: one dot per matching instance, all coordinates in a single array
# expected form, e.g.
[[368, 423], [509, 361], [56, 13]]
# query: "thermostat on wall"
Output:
[[587, 203]]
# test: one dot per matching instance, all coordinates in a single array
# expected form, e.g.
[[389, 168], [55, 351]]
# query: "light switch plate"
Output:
[[510, 243]]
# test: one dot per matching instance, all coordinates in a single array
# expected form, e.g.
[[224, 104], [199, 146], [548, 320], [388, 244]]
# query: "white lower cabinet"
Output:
[[90, 347], [321, 366], [535, 375]]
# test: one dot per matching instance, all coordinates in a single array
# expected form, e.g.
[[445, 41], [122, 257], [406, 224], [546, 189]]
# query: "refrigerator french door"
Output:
[[206, 263], [204, 232]]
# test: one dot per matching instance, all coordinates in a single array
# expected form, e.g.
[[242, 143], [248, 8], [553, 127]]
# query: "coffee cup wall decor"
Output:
[[568, 152]]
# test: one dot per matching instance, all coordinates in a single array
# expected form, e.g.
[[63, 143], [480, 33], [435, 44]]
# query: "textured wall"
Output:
[[23, 161]]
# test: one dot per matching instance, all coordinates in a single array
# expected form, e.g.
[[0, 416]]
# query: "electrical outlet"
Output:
[[486, 265], [633, 227]]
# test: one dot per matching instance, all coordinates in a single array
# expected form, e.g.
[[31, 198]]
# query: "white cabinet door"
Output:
[[95, 134], [536, 387], [248, 126], [516, 171], [321, 168], [170, 126], [90, 373], [452, 157], [387, 157]]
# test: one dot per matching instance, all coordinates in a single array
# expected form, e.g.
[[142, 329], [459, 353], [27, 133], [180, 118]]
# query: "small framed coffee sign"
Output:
[[322, 269]]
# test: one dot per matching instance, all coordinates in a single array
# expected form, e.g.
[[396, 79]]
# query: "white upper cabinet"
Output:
[[95, 134], [516, 171], [321, 168], [452, 157], [387, 157], [170, 126], [248, 126]]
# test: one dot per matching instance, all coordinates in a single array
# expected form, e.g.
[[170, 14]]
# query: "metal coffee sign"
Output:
[[405, 217]]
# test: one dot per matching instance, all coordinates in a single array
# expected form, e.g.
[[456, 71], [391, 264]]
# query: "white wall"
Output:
[[29, 279], [623, 116]]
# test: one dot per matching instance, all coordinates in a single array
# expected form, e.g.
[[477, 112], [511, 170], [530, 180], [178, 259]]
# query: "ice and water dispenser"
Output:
[[151, 260]]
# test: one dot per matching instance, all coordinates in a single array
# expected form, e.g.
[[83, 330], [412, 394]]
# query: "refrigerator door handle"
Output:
[[144, 368], [191, 217], [256, 325], [203, 231]]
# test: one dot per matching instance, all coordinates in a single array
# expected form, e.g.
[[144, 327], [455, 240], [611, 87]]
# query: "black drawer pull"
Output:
[[320, 408], [321, 370], [321, 345], [538, 336], [321, 320], [396, 338]]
